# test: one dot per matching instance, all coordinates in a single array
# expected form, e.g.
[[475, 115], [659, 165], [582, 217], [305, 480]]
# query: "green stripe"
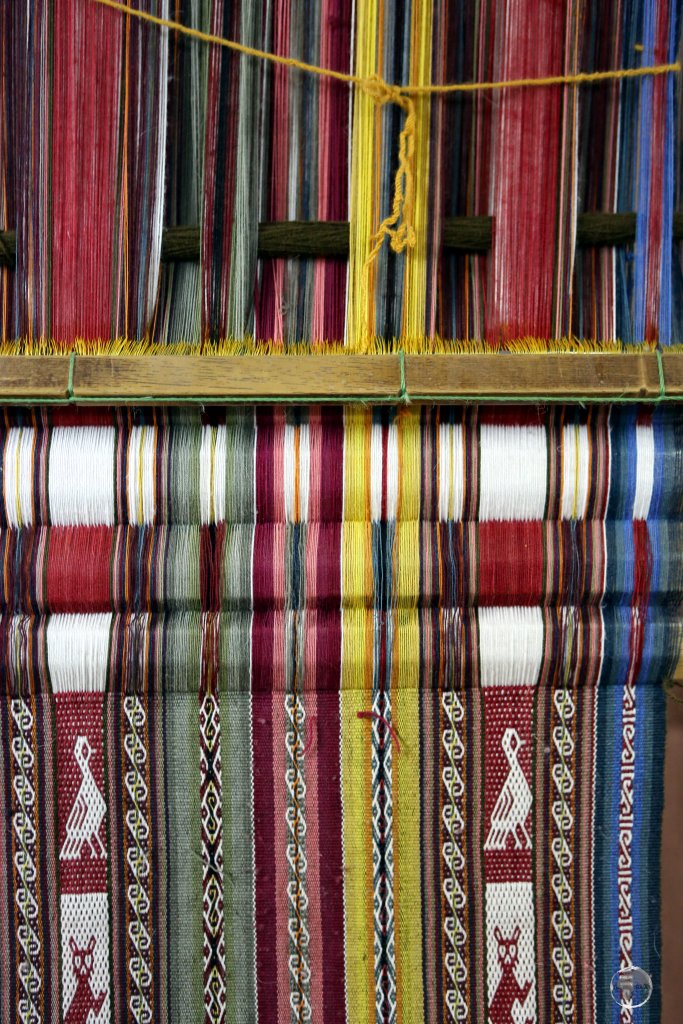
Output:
[[238, 877], [185, 933]]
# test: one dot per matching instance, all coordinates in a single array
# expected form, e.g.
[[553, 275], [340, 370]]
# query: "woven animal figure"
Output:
[[509, 990], [84, 1000], [87, 813], [514, 801]]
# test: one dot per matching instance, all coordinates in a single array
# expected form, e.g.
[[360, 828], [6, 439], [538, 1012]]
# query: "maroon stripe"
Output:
[[263, 569], [264, 858], [332, 479], [329, 728], [262, 731], [78, 567], [331, 868]]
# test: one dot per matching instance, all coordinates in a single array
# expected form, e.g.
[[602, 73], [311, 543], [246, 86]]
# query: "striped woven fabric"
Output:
[[334, 715], [98, 112]]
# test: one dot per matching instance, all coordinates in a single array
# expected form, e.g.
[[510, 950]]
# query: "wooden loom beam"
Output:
[[289, 239], [186, 379]]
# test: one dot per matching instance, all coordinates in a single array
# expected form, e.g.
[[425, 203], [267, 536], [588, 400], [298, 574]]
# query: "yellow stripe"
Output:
[[356, 682], [406, 796], [405, 718], [416, 259], [407, 551], [362, 224], [358, 905]]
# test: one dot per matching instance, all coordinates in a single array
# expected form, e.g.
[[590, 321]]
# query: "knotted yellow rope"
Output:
[[398, 225]]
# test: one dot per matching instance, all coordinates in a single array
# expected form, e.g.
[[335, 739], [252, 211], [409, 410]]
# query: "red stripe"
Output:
[[526, 229], [78, 568], [328, 726], [513, 415], [85, 142], [83, 416], [332, 466], [511, 563]]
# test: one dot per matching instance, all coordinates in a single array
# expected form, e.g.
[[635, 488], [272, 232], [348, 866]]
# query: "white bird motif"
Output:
[[514, 801], [87, 813]]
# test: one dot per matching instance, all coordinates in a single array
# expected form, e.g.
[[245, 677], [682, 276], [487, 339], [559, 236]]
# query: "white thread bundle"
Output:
[[514, 472], [77, 651], [212, 473], [575, 472], [510, 646], [81, 476], [17, 480], [141, 483]]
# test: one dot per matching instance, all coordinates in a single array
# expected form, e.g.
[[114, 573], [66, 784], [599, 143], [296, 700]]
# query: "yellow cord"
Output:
[[376, 86], [398, 225]]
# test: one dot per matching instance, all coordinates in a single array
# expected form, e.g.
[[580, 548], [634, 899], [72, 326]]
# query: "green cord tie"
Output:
[[403, 396], [70, 384]]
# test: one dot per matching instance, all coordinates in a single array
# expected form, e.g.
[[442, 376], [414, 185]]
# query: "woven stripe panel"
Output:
[[333, 715]]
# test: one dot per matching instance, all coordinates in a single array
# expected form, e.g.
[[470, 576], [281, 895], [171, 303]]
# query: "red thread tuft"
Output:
[[381, 718], [311, 736]]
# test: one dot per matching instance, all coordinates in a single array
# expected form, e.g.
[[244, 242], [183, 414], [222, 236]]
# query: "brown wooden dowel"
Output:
[[288, 239], [161, 379], [8, 248]]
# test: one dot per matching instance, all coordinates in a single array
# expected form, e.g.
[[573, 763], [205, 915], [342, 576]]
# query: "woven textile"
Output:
[[330, 715]]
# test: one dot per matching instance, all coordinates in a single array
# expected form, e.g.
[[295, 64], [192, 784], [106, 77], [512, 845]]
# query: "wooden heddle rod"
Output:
[[648, 376], [289, 239]]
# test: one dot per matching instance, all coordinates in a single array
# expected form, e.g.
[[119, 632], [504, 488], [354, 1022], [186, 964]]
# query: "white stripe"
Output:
[[292, 472], [645, 471], [514, 469], [289, 470], [78, 651], [212, 470], [81, 476], [392, 471], [141, 483], [17, 476], [574, 472], [376, 472], [510, 646], [304, 471], [451, 471]]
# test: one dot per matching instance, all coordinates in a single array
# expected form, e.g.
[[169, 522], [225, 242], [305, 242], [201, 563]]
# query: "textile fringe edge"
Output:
[[376, 346]]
